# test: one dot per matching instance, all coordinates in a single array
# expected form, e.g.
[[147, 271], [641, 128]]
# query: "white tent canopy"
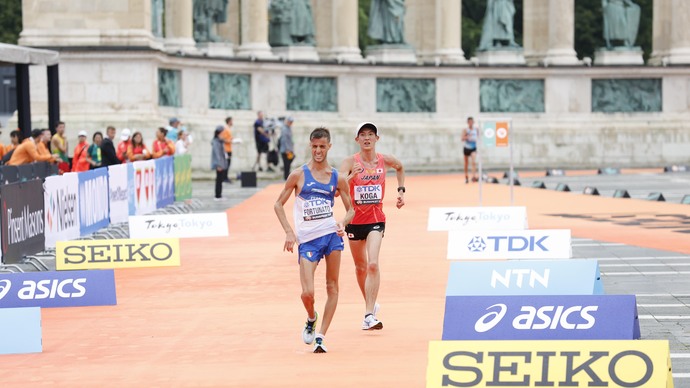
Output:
[[10, 53]]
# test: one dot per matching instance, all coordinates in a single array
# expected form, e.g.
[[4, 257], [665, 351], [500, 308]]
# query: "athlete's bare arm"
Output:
[[293, 183], [392, 162], [349, 168], [344, 191]]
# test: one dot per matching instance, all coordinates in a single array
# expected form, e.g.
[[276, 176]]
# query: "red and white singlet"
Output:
[[367, 189]]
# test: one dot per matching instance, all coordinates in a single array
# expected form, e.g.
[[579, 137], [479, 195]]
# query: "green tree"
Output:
[[10, 20]]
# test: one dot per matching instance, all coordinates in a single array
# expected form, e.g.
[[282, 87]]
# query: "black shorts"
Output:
[[468, 151], [261, 148], [361, 231]]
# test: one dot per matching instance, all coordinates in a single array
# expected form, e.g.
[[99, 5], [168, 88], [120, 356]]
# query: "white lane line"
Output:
[[646, 273], [657, 295], [597, 245], [664, 317], [680, 355], [637, 258], [681, 375], [662, 305], [645, 265]]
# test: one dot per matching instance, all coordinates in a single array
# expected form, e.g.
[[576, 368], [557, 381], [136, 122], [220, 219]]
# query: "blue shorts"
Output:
[[319, 247]]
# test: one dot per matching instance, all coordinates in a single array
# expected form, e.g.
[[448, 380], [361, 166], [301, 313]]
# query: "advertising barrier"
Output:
[[525, 277], [93, 200], [165, 182], [22, 221], [510, 244], [125, 253], [605, 363], [477, 218], [61, 202], [562, 317], [179, 225], [141, 179], [117, 186], [183, 177], [57, 289], [21, 330]]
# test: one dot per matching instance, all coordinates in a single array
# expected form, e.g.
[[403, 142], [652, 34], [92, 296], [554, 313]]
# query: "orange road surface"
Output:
[[231, 315]]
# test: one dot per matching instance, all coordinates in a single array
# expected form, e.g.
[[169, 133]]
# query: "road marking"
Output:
[[663, 305], [635, 258], [681, 375], [598, 245], [646, 273], [680, 355], [644, 265], [664, 317], [655, 295]]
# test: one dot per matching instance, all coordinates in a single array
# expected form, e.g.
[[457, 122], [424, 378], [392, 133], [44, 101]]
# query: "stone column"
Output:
[[549, 32], [671, 39], [337, 30], [437, 35], [254, 30], [230, 30], [179, 26]]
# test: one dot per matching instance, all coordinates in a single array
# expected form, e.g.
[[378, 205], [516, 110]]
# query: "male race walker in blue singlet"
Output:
[[469, 150], [315, 185]]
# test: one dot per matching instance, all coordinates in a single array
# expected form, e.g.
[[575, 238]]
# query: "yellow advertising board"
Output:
[[623, 363], [125, 253]]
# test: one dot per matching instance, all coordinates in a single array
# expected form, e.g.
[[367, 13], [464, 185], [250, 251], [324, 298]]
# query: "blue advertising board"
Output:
[[165, 182], [21, 330], [94, 211], [58, 289], [536, 317], [525, 277]]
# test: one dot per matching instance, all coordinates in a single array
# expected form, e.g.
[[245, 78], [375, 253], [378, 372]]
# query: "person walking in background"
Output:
[[219, 161], [137, 149], [469, 150], [79, 158], [286, 146], [123, 146], [226, 136], [108, 153], [182, 143], [27, 152], [162, 146], [262, 138], [94, 155]]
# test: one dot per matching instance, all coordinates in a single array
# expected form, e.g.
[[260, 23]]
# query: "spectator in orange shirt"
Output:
[[137, 149], [125, 141], [80, 161], [43, 146], [226, 136], [15, 140], [27, 152], [162, 146]]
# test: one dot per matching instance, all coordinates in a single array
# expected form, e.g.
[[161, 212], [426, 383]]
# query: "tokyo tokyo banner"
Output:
[[93, 200], [165, 182], [117, 185], [61, 197]]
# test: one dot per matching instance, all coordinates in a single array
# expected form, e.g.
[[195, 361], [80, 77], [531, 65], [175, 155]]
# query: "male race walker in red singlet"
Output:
[[315, 186], [366, 175]]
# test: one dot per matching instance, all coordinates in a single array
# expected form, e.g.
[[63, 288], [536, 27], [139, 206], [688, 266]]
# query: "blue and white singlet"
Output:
[[313, 209]]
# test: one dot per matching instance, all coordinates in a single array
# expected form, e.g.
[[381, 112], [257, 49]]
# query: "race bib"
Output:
[[316, 209], [369, 194]]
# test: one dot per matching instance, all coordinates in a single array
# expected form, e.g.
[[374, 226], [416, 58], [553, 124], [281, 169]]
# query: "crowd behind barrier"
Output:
[[40, 207]]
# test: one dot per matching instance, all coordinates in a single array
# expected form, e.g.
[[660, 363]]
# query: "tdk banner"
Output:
[[563, 317], [58, 289]]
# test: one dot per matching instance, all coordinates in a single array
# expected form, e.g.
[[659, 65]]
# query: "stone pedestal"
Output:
[[254, 30], [504, 57], [618, 57], [296, 53], [216, 49], [391, 54]]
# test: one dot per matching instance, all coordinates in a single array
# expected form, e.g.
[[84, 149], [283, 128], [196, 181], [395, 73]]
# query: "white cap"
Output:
[[83, 133], [367, 124], [125, 134]]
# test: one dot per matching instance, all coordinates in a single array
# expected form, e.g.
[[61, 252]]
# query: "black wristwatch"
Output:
[[401, 188]]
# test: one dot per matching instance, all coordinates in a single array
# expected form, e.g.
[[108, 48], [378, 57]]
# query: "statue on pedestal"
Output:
[[387, 21], [497, 31], [206, 13], [290, 23], [621, 22]]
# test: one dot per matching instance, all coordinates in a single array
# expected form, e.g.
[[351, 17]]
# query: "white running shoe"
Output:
[[318, 346], [371, 323], [309, 331]]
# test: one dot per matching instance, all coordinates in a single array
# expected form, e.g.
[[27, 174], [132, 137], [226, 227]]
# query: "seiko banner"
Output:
[[117, 185], [142, 178], [179, 225], [509, 244], [58, 289], [563, 317], [165, 182], [103, 254], [93, 200], [21, 330], [22, 220], [631, 363], [525, 277], [477, 218], [61, 199]]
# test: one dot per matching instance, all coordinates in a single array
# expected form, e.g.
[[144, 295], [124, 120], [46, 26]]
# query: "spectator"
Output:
[[27, 152], [58, 144], [137, 149], [174, 129], [162, 146], [262, 139], [286, 146], [218, 161], [94, 156], [183, 142], [226, 136], [108, 154], [124, 144], [44, 144], [2, 146], [15, 140], [81, 151]]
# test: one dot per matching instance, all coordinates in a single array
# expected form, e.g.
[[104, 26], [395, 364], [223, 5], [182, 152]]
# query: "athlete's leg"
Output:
[[359, 255], [466, 162], [332, 274], [474, 164], [306, 276], [373, 275]]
